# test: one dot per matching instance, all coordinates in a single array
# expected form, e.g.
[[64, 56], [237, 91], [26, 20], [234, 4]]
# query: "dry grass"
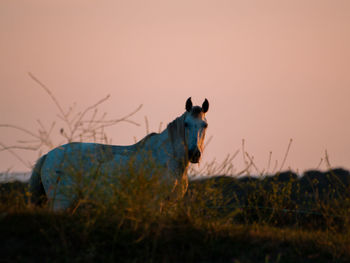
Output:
[[134, 225], [281, 218]]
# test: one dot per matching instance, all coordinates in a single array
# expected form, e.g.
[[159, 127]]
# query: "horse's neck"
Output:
[[170, 152]]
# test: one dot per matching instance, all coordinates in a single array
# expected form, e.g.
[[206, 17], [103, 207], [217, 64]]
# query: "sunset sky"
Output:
[[271, 70]]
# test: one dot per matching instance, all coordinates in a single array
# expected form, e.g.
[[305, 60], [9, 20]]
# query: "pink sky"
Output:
[[271, 70]]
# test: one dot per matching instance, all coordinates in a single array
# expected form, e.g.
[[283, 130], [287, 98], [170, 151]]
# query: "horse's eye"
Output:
[[186, 124], [205, 125]]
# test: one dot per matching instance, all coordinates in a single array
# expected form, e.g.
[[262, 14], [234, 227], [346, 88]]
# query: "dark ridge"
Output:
[[310, 181], [12, 190], [283, 198], [6, 188]]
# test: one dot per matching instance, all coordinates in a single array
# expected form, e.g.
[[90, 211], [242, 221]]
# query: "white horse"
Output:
[[170, 152]]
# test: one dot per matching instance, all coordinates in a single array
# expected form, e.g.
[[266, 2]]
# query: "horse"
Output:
[[170, 152]]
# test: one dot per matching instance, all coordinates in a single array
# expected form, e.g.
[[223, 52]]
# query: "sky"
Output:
[[272, 71]]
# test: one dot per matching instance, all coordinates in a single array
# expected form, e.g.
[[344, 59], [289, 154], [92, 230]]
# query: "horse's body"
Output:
[[168, 152]]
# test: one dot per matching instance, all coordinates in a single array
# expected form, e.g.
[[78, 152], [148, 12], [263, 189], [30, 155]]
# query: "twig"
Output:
[[20, 129], [147, 125], [319, 164], [92, 107], [328, 163], [286, 154], [275, 167], [251, 158], [15, 154], [243, 152], [48, 92], [6, 148], [269, 162], [74, 125]]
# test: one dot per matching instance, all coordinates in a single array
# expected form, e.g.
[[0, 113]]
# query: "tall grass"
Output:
[[132, 217], [280, 218], [272, 219]]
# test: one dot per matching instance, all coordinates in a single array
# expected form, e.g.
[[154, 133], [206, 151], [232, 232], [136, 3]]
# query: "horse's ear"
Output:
[[205, 106], [188, 104]]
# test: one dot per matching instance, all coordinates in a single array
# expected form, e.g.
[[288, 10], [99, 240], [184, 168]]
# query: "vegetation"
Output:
[[282, 217]]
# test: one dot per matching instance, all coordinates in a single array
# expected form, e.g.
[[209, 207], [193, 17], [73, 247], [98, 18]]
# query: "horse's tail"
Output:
[[36, 187]]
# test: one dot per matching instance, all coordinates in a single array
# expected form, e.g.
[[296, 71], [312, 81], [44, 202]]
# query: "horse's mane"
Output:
[[176, 129], [145, 139]]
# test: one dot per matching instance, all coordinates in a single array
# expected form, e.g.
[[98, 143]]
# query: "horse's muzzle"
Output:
[[194, 155]]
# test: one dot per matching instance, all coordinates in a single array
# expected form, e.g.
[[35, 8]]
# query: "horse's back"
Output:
[[84, 152], [79, 157], [73, 165]]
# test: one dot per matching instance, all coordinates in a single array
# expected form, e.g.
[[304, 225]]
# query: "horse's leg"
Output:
[[61, 194], [61, 203], [36, 188]]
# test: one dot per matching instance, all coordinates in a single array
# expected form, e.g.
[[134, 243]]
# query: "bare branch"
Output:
[[91, 107], [147, 125], [275, 167], [6, 148], [244, 170], [326, 158], [20, 129], [9, 149], [81, 125], [269, 162], [48, 92], [251, 158], [286, 154], [28, 141], [319, 164]]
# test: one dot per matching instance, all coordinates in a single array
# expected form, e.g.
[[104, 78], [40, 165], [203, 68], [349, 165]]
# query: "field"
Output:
[[280, 218]]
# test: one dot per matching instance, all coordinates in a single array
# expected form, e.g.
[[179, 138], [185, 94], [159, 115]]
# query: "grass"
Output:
[[279, 218], [220, 219], [59, 238]]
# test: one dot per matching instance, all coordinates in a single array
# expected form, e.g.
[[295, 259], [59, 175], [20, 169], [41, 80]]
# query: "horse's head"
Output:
[[195, 125]]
